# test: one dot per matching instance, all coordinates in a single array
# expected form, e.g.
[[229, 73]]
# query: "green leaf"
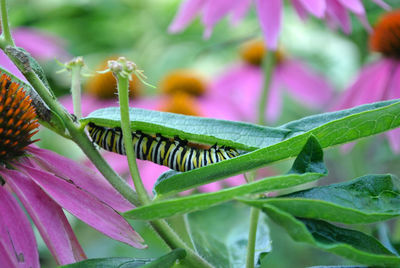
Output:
[[346, 129], [167, 260], [220, 234], [239, 135], [310, 160], [366, 199], [351, 244]]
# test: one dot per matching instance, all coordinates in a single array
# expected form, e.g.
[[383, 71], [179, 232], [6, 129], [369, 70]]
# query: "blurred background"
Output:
[[100, 30]]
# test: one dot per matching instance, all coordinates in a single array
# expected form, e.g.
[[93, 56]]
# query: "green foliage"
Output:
[[166, 261]]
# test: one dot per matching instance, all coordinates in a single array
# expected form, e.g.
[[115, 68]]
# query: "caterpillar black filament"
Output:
[[174, 153]]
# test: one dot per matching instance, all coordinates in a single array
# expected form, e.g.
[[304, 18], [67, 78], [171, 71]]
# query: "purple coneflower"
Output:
[[379, 80], [242, 84], [45, 184], [269, 14]]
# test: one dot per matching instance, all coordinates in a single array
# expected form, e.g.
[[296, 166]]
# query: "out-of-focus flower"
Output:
[[41, 45], [45, 184], [379, 80], [269, 14], [241, 86]]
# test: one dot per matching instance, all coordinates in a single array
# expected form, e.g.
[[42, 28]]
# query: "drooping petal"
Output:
[[274, 101], [186, 13], [338, 14], [370, 86], [300, 10], [7, 64], [382, 4], [18, 244], [240, 87], [240, 11], [48, 217], [315, 7], [306, 86], [214, 11], [85, 206], [354, 6], [270, 17], [40, 44], [393, 92], [82, 176]]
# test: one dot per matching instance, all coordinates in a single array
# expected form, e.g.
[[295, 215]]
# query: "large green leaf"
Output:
[[351, 244], [166, 261], [338, 131], [239, 135], [309, 165], [366, 199], [220, 234]]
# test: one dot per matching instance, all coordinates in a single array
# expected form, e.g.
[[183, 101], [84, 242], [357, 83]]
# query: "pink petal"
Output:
[[213, 12], [17, 243], [214, 108], [85, 207], [363, 19], [240, 87], [308, 87], [370, 86], [315, 7], [186, 13], [393, 92], [394, 139], [150, 172], [7, 64], [274, 101], [81, 176], [239, 11], [382, 4], [300, 10], [40, 44], [354, 6], [339, 15], [48, 217], [270, 17]]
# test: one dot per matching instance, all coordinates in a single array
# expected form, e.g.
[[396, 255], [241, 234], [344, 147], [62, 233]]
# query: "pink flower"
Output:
[[242, 84], [42, 46], [379, 80], [269, 14], [45, 184]]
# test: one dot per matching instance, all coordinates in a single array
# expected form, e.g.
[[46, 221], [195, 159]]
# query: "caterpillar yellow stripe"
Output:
[[174, 153]]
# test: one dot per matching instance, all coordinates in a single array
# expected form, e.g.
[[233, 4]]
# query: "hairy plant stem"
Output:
[[268, 67], [76, 90], [123, 95], [76, 134], [5, 27]]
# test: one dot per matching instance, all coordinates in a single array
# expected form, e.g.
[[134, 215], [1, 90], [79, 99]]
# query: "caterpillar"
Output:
[[175, 153]]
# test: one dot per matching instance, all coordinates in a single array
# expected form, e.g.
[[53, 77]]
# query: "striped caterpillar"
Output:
[[175, 153]]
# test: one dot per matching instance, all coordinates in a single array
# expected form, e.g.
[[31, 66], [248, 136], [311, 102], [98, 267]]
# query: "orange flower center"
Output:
[[181, 103], [18, 121], [183, 81], [386, 36], [104, 86], [253, 52]]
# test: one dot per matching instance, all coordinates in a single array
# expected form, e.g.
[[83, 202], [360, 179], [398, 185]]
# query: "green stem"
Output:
[[123, 94], [173, 241], [268, 66], [5, 27], [76, 90], [254, 214], [78, 136]]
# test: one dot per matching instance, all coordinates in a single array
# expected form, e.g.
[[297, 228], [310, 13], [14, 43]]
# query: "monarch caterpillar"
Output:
[[176, 153]]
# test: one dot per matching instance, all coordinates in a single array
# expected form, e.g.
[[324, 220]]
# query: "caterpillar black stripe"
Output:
[[174, 153]]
